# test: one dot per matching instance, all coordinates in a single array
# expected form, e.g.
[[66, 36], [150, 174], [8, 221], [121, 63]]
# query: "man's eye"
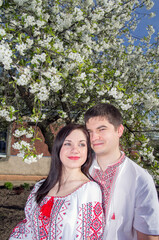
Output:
[[102, 129]]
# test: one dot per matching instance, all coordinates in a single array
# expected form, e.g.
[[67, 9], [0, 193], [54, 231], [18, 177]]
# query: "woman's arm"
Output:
[[91, 218], [23, 229]]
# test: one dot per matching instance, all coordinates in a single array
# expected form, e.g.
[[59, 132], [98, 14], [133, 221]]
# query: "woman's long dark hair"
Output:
[[55, 172]]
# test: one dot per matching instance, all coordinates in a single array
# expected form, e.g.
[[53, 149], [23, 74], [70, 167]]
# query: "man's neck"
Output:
[[108, 160]]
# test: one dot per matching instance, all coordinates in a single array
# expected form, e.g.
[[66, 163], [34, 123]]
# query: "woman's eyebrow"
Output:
[[82, 140]]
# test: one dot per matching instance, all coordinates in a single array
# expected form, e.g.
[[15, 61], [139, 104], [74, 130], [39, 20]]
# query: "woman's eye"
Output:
[[82, 145], [67, 144]]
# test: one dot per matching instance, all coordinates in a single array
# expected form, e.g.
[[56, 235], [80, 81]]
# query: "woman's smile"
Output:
[[74, 157]]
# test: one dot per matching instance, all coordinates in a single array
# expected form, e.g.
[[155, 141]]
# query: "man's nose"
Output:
[[94, 136]]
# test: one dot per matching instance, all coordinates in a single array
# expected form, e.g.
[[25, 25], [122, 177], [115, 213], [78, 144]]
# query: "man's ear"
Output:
[[120, 130]]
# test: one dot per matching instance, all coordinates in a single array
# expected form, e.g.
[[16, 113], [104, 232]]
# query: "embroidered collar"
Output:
[[115, 165]]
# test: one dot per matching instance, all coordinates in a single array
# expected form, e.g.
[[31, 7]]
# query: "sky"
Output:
[[141, 28]]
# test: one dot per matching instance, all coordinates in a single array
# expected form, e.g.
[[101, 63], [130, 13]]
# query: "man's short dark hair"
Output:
[[105, 110]]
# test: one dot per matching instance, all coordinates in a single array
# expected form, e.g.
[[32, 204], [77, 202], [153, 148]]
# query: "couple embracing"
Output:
[[107, 197]]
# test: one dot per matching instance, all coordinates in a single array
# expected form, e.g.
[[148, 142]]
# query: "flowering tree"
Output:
[[60, 57]]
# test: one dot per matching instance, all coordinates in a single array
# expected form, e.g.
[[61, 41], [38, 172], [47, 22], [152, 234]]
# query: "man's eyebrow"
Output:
[[102, 126]]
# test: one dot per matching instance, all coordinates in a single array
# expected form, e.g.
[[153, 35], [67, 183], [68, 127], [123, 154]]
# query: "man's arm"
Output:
[[142, 236]]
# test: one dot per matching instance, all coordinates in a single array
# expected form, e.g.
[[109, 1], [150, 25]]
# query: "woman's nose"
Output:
[[75, 148]]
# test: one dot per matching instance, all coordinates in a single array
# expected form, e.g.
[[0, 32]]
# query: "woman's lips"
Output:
[[74, 157]]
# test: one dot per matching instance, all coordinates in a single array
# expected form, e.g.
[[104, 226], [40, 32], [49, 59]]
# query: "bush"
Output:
[[8, 185], [26, 186]]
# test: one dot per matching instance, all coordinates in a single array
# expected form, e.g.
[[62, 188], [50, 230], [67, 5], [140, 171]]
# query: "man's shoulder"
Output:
[[131, 163], [136, 171]]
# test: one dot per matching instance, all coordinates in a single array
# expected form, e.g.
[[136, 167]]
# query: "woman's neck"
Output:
[[68, 184], [72, 175]]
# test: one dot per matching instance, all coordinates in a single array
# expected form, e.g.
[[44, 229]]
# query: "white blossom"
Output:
[[125, 106], [29, 21], [29, 42], [75, 56], [82, 76], [24, 76], [150, 29], [20, 145], [79, 14], [21, 154], [20, 2], [66, 51], [2, 32], [5, 56], [40, 23], [152, 14], [16, 145], [38, 57], [39, 156], [19, 133], [55, 83], [149, 4], [4, 113], [115, 93], [86, 100], [117, 73], [43, 94], [30, 159], [34, 119]]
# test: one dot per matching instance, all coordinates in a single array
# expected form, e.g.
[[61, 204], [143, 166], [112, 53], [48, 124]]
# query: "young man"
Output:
[[130, 198]]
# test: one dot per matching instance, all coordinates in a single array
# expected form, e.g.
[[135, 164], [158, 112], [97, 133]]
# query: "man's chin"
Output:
[[98, 151]]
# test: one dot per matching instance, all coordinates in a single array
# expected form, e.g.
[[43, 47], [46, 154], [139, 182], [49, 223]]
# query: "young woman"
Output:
[[68, 204]]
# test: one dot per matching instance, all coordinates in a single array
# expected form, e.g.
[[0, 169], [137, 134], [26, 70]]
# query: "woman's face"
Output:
[[73, 153]]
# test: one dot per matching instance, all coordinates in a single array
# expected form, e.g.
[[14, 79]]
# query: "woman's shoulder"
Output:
[[89, 191], [92, 184], [37, 185]]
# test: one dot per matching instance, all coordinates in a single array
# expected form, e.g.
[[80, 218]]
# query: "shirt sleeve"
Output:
[[146, 218], [23, 230], [90, 222]]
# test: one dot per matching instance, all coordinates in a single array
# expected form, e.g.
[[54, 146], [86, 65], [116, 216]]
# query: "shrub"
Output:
[[8, 185]]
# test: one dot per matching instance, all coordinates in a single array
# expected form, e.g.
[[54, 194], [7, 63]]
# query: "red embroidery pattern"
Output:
[[106, 180], [90, 222], [48, 220], [21, 230]]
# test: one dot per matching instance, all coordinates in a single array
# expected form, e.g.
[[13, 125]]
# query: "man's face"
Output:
[[104, 137]]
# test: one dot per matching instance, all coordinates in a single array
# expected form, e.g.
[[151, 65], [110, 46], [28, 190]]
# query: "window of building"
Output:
[[3, 143]]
